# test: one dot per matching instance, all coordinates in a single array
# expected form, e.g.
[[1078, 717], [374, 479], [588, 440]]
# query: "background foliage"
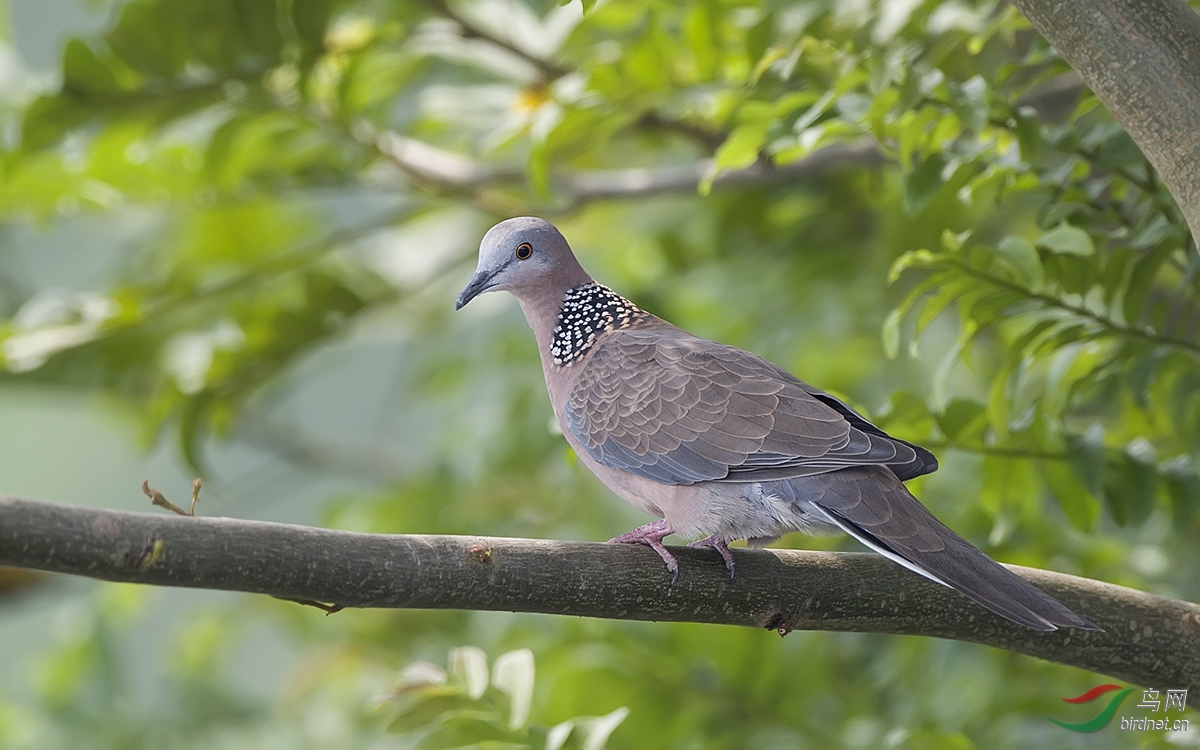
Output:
[[240, 226]]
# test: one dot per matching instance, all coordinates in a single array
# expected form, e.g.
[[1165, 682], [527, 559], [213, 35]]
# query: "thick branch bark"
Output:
[[1142, 58], [1149, 640]]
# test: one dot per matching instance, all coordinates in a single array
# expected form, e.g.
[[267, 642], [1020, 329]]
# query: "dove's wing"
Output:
[[680, 409]]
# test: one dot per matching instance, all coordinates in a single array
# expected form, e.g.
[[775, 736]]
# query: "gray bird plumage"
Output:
[[720, 443]]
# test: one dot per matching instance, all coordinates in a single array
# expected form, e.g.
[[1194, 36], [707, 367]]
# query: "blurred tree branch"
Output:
[[448, 170], [1143, 60], [1149, 640], [549, 70]]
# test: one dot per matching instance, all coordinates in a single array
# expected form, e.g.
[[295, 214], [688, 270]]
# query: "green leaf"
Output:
[[963, 421], [1067, 240], [468, 729], [147, 38], [1185, 406], [949, 291], [913, 259], [998, 406], [1131, 484], [1086, 454], [984, 310], [1023, 258], [1009, 487], [908, 413], [310, 19], [891, 333], [84, 73], [922, 183], [426, 708], [970, 102], [742, 147], [1142, 375], [1078, 503], [941, 376], [1074, 273], [954, 241], [1182, 483], [1029, 133], [1155, 233], [1113, 276], [1141, 281], [701, 37]]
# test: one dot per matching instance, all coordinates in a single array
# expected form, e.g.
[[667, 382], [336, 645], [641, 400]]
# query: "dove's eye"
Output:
[[524, 251]]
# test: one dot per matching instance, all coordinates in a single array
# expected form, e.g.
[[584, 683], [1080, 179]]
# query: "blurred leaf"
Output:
[[1086, 454], [585, 734], [891, 332], [963, 421], [1009, 487], [1023, 259], [1078, 504], [84, 74], [1067, 240], [512, 674], [1141, 280], [923, 183], [1131, 484], [1182, 483], [469, 668]]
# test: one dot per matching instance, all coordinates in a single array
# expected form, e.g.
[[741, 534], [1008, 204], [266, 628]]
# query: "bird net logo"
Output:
[[1172, 701]]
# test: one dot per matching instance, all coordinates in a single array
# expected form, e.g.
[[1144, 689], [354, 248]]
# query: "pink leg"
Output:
[[652, 535], [717, 543]]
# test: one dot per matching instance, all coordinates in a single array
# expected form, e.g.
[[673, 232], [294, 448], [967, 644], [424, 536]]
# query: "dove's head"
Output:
[[526, 256]]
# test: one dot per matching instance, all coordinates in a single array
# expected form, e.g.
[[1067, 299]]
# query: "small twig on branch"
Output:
[[328, 609], [157, 498], [709, 138], [1149, 640]]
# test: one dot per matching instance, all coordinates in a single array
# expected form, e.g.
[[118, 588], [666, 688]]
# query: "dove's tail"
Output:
[[870, 504]]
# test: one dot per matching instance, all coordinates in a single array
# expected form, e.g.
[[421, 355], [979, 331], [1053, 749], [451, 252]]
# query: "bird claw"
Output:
[[718, 543], [652, 535]]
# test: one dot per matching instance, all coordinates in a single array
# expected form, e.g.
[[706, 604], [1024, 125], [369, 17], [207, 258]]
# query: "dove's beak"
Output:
[[480, 283]]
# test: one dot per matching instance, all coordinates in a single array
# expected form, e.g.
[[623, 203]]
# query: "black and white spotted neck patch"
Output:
[[589, 310]]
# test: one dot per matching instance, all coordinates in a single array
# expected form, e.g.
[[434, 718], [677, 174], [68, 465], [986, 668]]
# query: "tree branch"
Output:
[[446, 169], [549, 70], [1149, 640], [1142, 58], [1109, 325]]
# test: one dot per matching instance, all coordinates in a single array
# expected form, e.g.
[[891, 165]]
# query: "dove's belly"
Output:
[[732, 510]]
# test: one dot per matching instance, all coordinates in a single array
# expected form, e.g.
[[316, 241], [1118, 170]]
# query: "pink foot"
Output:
[[717, 543], [652, 535]]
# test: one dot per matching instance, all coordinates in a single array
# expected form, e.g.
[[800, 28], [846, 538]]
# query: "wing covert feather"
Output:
[[679, 409]]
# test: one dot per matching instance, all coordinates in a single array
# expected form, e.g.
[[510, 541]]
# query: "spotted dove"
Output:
[[719, 443]]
